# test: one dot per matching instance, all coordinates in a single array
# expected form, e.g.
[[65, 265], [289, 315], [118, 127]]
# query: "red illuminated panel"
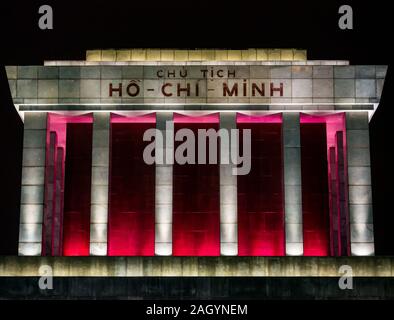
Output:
[[132, 192], [337, 177], [76, 224], [196, 218], [260, 196], [315, 189]]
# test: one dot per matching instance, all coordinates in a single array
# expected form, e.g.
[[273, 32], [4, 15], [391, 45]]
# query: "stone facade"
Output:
[[251, 87]]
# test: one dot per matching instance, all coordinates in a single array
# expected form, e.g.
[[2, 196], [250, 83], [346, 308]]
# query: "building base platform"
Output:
[[13, 266], [196, 277], [196, 288]]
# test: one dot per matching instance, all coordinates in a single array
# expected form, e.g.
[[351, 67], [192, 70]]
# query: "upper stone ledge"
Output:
[[251, 54], [65, 63], [149, 57]]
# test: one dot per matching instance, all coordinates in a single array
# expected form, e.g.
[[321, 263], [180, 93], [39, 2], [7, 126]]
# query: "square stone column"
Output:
[[228, 194], [33, 184], [163, 191], [100, 184], [292, 183], [359, 184]]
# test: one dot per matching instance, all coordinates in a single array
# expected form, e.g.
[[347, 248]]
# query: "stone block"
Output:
[[360, 194], [48, 72], [228, 232], [228, 212], [100, 138], [48, 88], [33, 157], [323, 88], [101, 120], [260, 72], [163, 249], [365, 72], [357, 138], [70, 72], [229, 249], [69, 88], [111, 72], [100, 176], [33, 175], [164, 175], [365, 88], [35, 120], [280, 72], [381, 72], [99, 195], [290, 121], [226, 175], [359, 176], [302, 88], [293, 232], [108, 55], [344, 88], [98, 249], [291, 139], [98, 232], [164, 194], [358, 157], [163, 213], [356, 120], [362, 249], [27, 72], [26, 88], [292, 175], [91, 72], [228, 194], [163, 232], [361, 213], [29, 249], [99, 213], [31, 232], [32, 194], [293, 213], [90, 88], [293, 194], [12, 72], [361, 232], [323, 72], [344, 72], [294, 249], [31, 213], [228, 120], [301, 72], [100, 157]]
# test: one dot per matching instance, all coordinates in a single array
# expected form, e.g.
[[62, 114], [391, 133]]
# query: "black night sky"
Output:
[[82, 25]]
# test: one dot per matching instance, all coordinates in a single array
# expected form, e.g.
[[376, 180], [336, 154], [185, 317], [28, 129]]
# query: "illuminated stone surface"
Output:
[[32, 191], [163, 197], [359, 183], [100, 184], [197, 266], [226, 82], [292, 183]]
